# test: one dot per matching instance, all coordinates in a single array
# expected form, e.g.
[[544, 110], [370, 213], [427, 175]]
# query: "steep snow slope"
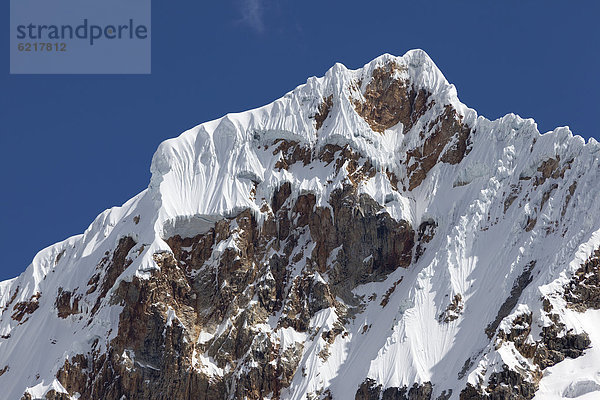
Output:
[[367, 235]]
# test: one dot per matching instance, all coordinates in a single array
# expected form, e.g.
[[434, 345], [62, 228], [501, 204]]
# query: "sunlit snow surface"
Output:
[[478, 251]]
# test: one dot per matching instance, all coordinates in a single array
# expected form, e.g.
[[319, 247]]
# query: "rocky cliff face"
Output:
[[366, 236]]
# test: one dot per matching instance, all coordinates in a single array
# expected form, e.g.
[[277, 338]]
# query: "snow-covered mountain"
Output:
[[366, 236]]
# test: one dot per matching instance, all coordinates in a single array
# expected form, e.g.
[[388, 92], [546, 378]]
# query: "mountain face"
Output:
[[366, 236]]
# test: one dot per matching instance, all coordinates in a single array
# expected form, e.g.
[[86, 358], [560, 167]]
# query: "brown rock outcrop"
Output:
[[323, 113], [23, 308], [67, 303], [447, 141], [388, 100], [583, 291]]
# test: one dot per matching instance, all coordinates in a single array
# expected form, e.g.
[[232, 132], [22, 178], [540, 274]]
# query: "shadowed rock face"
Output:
[[156, 352], [362, 232], [426, 232], [504, 385], [369, 390], [583, 292], [109, 269]]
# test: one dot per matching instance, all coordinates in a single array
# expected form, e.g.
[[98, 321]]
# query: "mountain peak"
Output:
[[365, 236], [380, 111]]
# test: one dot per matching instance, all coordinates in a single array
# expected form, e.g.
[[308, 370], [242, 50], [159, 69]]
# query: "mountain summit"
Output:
[[366, 236]]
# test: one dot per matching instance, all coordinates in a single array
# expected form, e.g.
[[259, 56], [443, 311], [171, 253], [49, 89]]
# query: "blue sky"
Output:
[[73, 146]]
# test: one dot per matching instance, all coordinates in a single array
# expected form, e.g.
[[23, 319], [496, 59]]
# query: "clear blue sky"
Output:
[[73, 146]]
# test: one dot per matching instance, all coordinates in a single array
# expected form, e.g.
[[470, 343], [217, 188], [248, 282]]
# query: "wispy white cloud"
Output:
[[253, 14]]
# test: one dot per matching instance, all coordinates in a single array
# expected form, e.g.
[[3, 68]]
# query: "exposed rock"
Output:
[[370, 390], [445, 395], [393, 179], [547, 194], [549, 168], [280, 196], [23, 308], [426, 232], [59, 256], [520, 284], [155, 352], [470, 392], [67, 303], [386, 297], [358, 169], [447, 142], [388, 100], [323, 113], [149, 357], [504, 385], [512, 196], [553, 347], [370, 243], [453, 310], [291, 153], [13, 296], [509, 384], [556, 344], [531, 222], [111, 270], [465, 368], [519, 334], [306, 297], [583, 291], [572, 189]]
